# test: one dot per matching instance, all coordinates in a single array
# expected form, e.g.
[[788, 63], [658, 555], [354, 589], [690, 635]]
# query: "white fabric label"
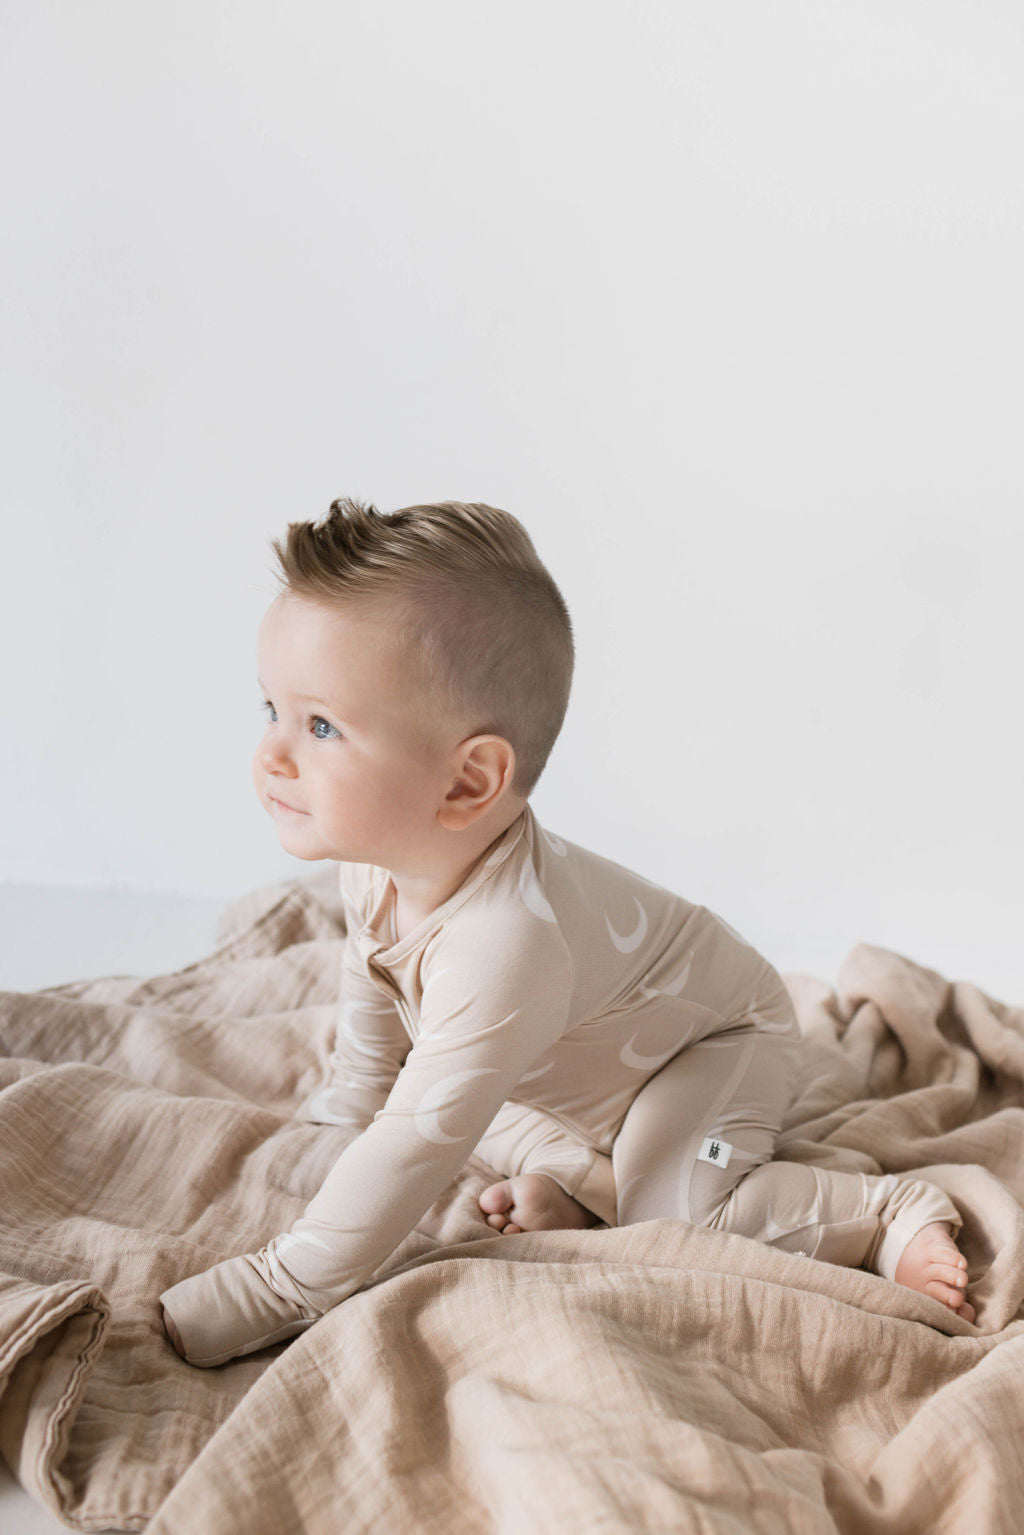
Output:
[[715, 1151]]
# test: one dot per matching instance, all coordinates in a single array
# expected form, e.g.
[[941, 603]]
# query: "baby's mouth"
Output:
[[280, 804]]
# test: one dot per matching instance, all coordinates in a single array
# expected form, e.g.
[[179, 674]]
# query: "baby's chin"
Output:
[[297, 835], [308, 848]]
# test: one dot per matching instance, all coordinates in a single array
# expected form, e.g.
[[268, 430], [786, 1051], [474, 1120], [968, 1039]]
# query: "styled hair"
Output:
[[475, 606]]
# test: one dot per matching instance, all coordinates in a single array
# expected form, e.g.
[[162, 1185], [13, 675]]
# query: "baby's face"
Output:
[[347, 766]]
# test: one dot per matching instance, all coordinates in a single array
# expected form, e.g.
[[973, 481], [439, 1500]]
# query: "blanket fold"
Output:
[[50, 1338]]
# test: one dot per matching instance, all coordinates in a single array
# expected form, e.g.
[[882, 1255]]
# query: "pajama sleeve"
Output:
[[370, 1045], [491, 1004]]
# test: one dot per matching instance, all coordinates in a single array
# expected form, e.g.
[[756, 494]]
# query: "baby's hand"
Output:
[[229, 1310], [172, 1333]]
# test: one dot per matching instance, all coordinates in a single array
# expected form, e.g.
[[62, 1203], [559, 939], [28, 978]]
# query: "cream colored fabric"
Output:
[[560, 981], [655, 1376]]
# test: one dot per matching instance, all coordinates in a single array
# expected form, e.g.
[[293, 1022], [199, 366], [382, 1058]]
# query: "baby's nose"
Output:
[[273, 759]]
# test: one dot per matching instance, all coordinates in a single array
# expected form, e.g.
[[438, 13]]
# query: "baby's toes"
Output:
[[945, 1293], [498, 1221]]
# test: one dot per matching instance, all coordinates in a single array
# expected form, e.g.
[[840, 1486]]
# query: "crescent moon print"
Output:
[[769, 1025], [533, 896], [673, 987], [433, 1100], [621, 1188], [531, 1076], [320, 1104], [554, 843], [630, 1057], [435, 975], [304, 1239], [378, 1009], [627, 942], [344, 1022]]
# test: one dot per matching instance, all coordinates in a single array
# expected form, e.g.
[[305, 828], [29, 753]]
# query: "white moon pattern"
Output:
[[554, 843], [630, 1057], [433, 1100], [770, 1025], [378, 1009], [627, 942], [673, 987], [532, 1075], [435, 975], [320, 1104], [345, 1024], [533, 896], [303, 1239]]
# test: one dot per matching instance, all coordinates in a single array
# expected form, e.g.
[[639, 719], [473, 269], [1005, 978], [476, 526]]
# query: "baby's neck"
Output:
[[419, 894]]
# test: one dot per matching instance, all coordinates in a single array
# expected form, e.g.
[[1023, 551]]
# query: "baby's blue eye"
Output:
[[316, 719]]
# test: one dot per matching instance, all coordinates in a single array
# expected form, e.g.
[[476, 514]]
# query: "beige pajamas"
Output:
[[558, 1014]]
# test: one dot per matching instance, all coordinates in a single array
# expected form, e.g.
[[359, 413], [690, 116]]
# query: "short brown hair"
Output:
[[479, 609]]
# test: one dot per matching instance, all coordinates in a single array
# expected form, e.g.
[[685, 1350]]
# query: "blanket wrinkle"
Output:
[[51, 1336], [656, 1376]]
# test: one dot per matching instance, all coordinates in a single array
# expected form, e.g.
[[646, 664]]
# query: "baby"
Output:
[[615, 1052]]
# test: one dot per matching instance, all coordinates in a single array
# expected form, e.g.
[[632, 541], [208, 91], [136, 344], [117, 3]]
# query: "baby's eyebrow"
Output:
[[309, 697]]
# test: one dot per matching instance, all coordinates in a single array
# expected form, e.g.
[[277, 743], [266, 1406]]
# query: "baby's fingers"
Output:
[[172, 1333]]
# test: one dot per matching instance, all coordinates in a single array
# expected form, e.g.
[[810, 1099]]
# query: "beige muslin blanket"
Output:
[[656, 1377]]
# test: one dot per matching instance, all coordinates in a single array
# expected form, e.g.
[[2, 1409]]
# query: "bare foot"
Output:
[[172, 1333], [532, 1202], [933, 1264]]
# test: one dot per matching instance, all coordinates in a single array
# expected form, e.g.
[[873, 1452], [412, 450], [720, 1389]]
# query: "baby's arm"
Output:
[[370, 1045], [486, 1015]]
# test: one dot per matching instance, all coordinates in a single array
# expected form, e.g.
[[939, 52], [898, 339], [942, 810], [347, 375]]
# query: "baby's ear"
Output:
[[484, 769]]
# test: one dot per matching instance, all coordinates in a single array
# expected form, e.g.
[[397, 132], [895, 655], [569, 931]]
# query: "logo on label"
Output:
[[715, 1151]]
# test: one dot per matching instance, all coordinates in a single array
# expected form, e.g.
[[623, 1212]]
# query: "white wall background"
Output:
[[724, 301]]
